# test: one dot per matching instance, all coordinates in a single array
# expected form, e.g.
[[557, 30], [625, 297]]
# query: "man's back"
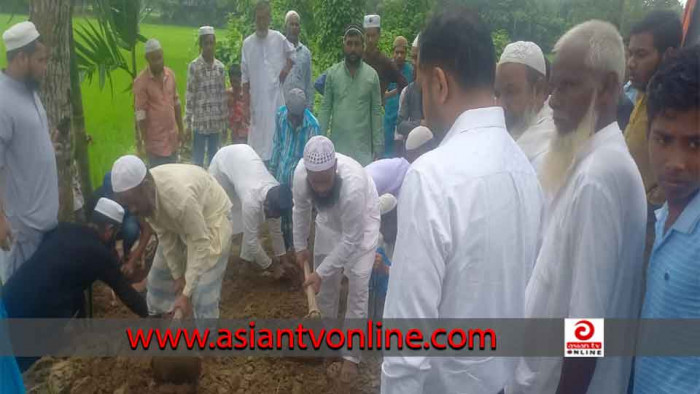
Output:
[[51, 283], [469, 219]]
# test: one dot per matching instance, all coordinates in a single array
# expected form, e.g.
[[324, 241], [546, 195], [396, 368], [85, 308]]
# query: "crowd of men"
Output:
[[453, 185]]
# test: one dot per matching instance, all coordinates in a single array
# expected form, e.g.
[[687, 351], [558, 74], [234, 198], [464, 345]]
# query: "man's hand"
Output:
[[303, 257], [377, 262], [184, 305], [314, 281], [283, 75], [179, 285], [129, 268], [5, 233]]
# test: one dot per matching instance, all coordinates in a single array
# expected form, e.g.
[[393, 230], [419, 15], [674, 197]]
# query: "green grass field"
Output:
[[109, 117]]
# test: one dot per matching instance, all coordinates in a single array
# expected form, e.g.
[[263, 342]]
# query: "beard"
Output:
[[353, 58], [32, 83], [522, 123], [327, 201], [562, 152]]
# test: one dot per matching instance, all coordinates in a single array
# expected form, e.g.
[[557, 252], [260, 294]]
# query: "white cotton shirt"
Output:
[[244, 177], [591, 261], [262, 60], [469, 222], [345, 231], [536, 139]]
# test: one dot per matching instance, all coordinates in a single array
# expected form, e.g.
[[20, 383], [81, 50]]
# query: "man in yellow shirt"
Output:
[[190, 213], [651, 40]]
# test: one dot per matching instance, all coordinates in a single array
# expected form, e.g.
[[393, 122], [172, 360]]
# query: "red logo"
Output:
[[584, 330]]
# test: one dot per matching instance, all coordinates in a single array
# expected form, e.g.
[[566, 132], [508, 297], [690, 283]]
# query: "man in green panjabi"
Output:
[[351, 113]]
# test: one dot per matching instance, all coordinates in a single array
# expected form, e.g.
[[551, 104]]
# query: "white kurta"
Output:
[[535, 140], [346, 231], [591, 261], [469, 222], [262, 60], [244, 177]]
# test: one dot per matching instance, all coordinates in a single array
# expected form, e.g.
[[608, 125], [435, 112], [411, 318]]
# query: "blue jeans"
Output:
[[209, 141]]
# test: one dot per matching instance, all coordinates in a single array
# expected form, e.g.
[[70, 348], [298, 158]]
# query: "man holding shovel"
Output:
[[190, 213], [347, 229]]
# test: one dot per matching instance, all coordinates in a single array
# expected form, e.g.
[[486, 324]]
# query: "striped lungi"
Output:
[[205, 297]]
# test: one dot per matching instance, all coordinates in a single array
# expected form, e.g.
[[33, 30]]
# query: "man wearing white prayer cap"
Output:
[[419, 141], [300, 73], [522, 91], [266, 60], [387, 71], [190, 213], [29, 197], [347, 230], [206, 106], [158, 109]]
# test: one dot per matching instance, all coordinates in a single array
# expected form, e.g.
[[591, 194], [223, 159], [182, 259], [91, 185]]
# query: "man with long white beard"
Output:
[[522, 91], [590, 264]]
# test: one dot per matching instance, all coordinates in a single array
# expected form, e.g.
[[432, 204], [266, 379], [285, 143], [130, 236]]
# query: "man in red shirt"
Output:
[[157, 106]]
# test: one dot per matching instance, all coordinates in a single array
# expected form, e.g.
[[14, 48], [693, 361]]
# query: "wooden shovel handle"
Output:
[[310, 295]]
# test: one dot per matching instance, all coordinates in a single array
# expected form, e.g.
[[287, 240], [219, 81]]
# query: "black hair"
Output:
[[262, 5], [676, 85], [102, 221], [547, 68], [234, 70], [665, 26], [29, 49], [458, 42]]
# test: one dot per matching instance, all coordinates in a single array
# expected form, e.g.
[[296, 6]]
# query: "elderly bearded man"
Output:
[[590, 263], [522, 91]]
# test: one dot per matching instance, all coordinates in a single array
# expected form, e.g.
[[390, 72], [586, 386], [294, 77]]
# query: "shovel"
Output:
[[177, 369], [314, 312]]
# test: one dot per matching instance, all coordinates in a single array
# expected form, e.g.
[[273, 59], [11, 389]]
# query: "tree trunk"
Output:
[[81, 143], [53, 20]]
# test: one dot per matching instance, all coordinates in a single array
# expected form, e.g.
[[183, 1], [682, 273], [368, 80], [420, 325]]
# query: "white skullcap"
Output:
[[372, 21], [152, 45], [319, 154], [296, 101], [417, 137], [290, 14], [206, 31], [19, 35], [127, 173], [387, 203], [415, 42], [110, 209], [524, 52]]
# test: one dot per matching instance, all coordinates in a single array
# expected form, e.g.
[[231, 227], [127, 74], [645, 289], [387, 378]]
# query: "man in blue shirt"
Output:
[[673, 290], [391, 106], [294, 126]]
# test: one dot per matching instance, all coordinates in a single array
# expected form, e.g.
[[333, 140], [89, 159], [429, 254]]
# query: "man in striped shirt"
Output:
[[294, 126], [673, 290]]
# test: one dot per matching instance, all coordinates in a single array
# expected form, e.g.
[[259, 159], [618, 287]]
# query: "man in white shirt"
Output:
[[590, 264], [266, 59], [347, 230], [257, 198], [469, 213], [522, 91]]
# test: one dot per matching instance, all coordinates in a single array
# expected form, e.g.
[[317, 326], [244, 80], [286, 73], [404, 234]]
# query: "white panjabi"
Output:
[[524, 52], [127, 173]]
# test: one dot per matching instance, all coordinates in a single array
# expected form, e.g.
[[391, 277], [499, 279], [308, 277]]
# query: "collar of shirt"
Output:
[[165, 73], [359, 68], [600, 138], [204, 63], [688, 220], [476, 119]]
